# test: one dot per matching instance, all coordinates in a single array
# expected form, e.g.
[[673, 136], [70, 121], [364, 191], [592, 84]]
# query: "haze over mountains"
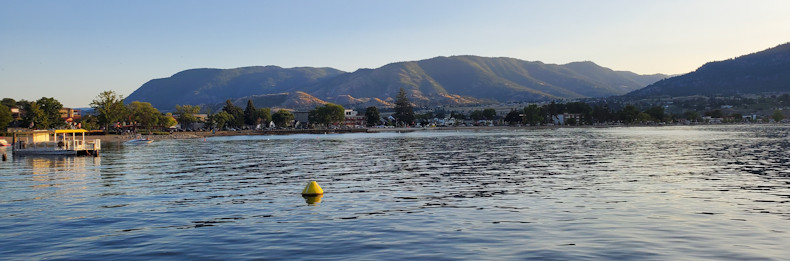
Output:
[[762, 72], [436, 81]]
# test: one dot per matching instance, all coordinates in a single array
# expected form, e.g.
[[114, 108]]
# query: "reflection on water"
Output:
[[617, 193], [313, 200]]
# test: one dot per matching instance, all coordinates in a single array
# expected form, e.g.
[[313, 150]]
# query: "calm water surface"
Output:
[[669, 193]]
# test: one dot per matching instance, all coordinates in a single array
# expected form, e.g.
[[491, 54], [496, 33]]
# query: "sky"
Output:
[[72, 50]]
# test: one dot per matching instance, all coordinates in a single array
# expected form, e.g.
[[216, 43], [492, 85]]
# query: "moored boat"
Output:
[[57, 142], [139, 140]]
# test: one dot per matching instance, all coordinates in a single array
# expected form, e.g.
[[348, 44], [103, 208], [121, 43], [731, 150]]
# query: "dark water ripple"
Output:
[[618, 193]]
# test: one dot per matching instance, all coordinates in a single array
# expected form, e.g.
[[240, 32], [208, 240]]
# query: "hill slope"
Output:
[[210, 86], [473, 79], [767, 71], [435, 81]]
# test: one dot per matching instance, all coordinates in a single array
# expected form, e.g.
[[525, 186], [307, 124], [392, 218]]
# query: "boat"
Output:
[[139, 140], [54, 142], [4, 143]]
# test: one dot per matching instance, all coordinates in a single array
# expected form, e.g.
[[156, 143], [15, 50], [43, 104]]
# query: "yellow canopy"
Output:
[[71, 131]]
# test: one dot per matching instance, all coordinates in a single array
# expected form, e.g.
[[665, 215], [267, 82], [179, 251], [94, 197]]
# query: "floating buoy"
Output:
[[312, 200], [5, 157], [312, 189]]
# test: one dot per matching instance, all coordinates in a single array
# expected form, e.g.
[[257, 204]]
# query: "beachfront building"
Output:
[[352, 119], [564, 118], [70, 115]]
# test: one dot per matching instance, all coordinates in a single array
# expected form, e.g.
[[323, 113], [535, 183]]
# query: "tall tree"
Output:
[[109, 108], [489, 114], [34, 117], [656, 112], [236, 112], [329, 113], [51, 109], [282, 118], [221, 119], [602, 113], [372, 115], [250, 114], [476, 115], [8, 102], [145, 114], [533, 114], [629, 114], [5, 117], [513, 117], [264, 115], [186, 115], [404, 111], [167, 120]]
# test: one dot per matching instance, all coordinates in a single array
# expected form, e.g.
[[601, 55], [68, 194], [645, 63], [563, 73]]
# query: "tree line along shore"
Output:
[[112, 115]]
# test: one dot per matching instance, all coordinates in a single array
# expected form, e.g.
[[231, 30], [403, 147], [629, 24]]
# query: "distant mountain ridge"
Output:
[[437, 81], [213, 86], [767, 71]]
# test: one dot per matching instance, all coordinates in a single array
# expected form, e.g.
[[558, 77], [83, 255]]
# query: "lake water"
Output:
[[665, 193]]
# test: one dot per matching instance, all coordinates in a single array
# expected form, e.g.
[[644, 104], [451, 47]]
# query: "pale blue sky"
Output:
[[72, 50]]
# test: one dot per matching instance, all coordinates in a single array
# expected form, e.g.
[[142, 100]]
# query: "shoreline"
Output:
[[115, 138]]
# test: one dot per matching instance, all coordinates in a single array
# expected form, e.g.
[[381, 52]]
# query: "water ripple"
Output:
[[718, 192]]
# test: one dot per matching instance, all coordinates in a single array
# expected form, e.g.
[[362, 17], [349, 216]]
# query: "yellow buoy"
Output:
[[312, 200], [312, 189]]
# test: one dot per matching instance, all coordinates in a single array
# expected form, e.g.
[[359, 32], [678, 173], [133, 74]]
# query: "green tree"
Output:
[[372, 115], [777, 116], [282, 118], [656, 112], [602, 114], [8, 102], [489, 114], [34, 117], [109, 108], [327, 114], [553, 109], [513, 117], [250, 114], [145, 114], [476, 115], [404, 112], [51, 109], [5, 117], [533, 115], [693, 116], [89, 122], [167, 120], [221, 119], [236, 112], [186, 115], [643, 117], [264, 115], [629, 114]]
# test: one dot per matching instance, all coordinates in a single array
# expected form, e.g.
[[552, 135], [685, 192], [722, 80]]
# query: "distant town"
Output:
[[110, 114]]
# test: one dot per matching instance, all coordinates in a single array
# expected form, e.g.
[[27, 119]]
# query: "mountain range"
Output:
[[762, 72], [436, 81]]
